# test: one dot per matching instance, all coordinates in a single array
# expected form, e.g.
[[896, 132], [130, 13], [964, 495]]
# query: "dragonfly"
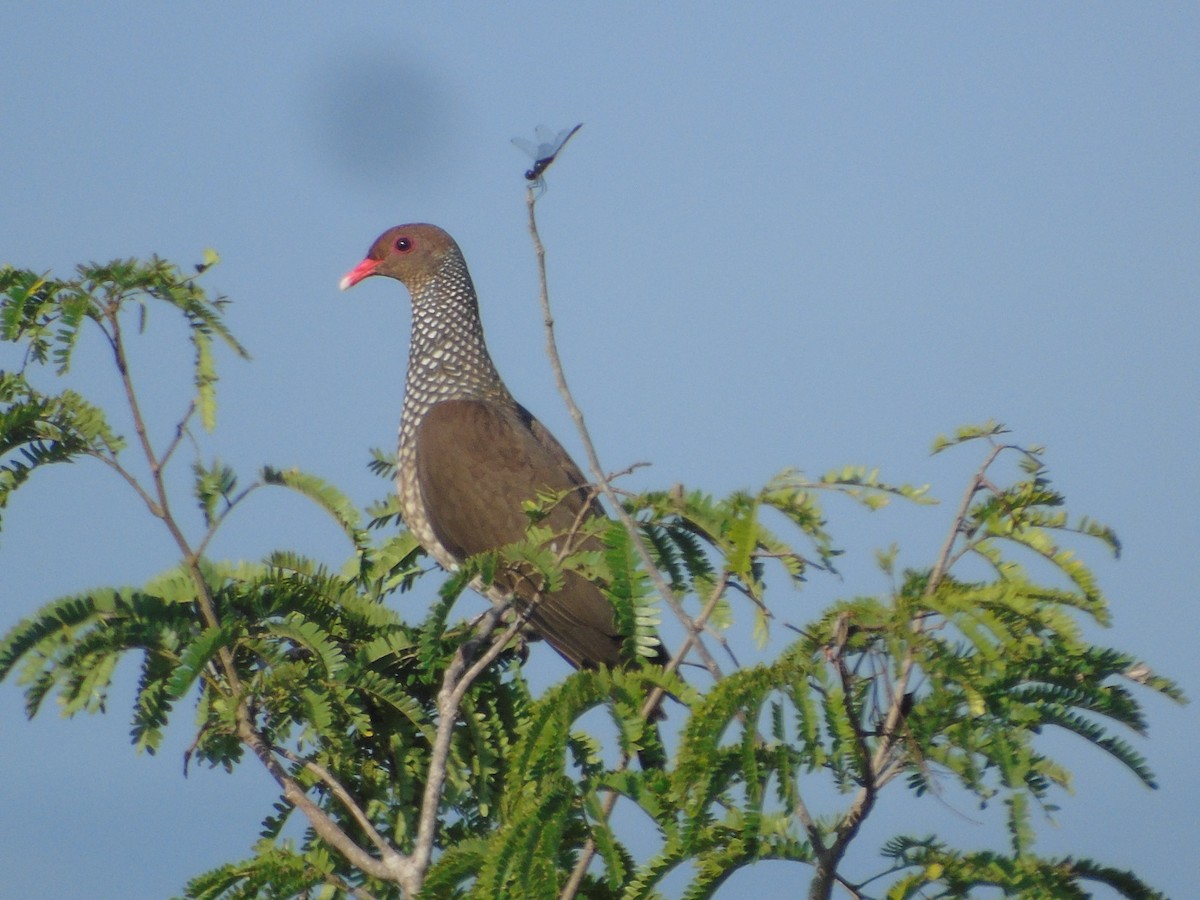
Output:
[[546, 150]]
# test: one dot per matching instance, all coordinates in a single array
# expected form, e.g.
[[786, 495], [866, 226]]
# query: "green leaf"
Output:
[[329, 498], [987, 430], [196, 657], [211, 486]]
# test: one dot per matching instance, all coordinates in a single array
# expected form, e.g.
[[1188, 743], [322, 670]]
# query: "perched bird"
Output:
[[470, 455]]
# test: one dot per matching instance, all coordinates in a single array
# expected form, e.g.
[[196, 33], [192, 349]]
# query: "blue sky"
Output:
[[786, 235]]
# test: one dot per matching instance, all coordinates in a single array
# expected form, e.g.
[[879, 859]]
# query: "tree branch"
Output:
[[455, 682], [112, 463], [344, 796], [597, 471], [180, 431], [220, 517], [203, 594], [864, 801], [571, 888], [394, 866]]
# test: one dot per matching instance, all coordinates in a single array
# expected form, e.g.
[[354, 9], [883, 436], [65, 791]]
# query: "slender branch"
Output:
[[628, 470], [571, 888], [852, 714], [864, 801], [597, 471], [657, 693], [941, 567], [588, 851], [180, 431], [394, 867], [112, 463], [811, 828], [349, 889], [960, 518], [204, 598], [339, 791], [457, 678], [693, 627], [222, 516], [203, 594]]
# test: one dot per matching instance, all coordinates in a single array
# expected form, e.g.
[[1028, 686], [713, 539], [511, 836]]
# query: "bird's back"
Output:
[[477, 462]]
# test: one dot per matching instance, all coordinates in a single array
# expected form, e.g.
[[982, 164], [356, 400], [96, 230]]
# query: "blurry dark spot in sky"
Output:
[[376, 114]]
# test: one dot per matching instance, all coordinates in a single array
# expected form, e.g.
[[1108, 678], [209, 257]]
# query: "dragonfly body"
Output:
[[546, 150]]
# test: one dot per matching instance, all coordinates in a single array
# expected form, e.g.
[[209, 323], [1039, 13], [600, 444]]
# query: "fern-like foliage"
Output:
[[38, 430], [363, 716], [939, 871]]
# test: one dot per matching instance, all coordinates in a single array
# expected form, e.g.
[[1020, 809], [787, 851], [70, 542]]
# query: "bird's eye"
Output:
[[404, 244]]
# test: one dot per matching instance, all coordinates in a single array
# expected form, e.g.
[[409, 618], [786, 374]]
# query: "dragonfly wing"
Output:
[[560, 140], [547, 139], [546, 149], [528, 146]]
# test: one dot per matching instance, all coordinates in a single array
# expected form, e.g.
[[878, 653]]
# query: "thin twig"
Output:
[[180, 431], [203, 594], [597, 471], [693, 627], [457, 678], [852, 714], [880, 761], [342, 884], [942, 565], [394, 866], [628, 470], [339, 791], [112, 463], [652, 700], [657, 693], [936, 576], [223, 515]]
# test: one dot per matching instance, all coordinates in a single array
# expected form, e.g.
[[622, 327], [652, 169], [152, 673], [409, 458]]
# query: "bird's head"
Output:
[[409, 253]]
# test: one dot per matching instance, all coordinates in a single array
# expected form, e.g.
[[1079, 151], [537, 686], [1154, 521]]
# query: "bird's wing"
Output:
[[476, 463]]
